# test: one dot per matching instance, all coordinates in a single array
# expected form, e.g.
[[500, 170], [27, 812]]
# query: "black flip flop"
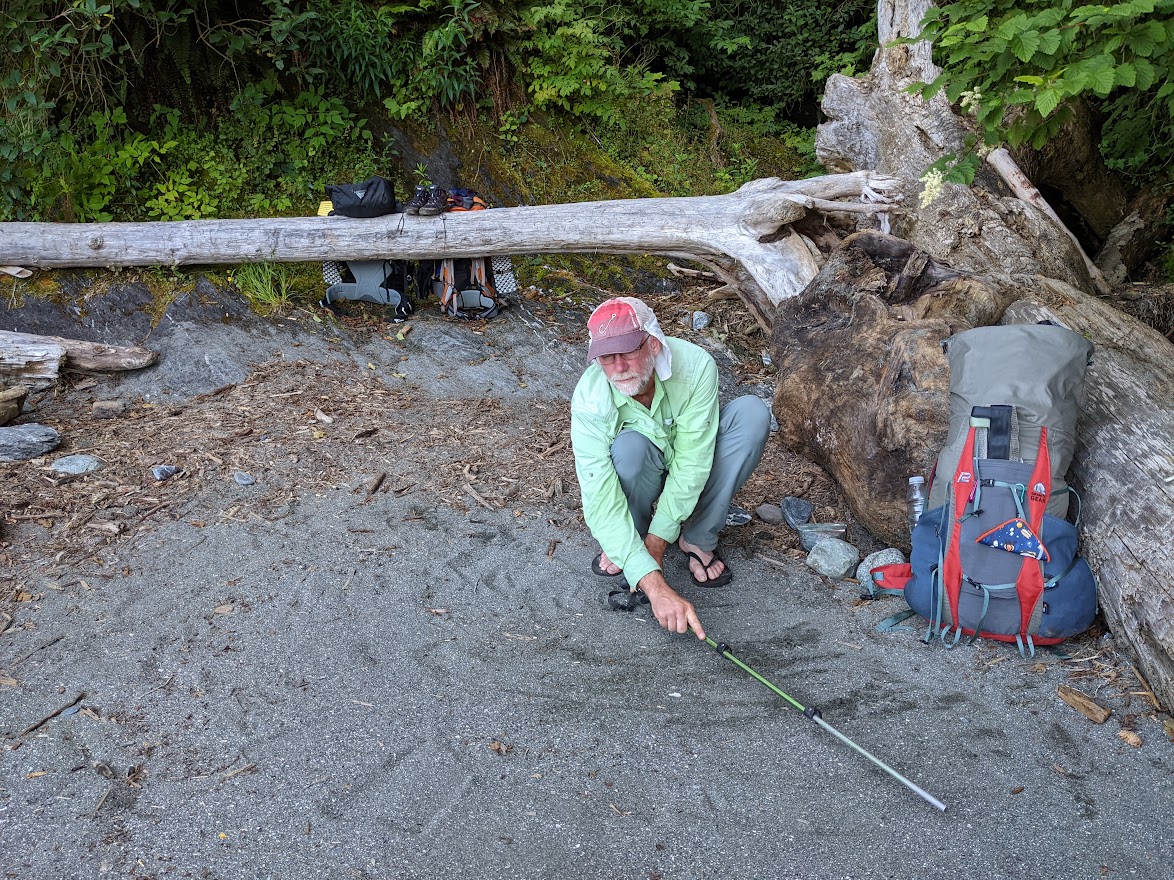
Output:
[[596, 568], [720, 581], [626, 600]]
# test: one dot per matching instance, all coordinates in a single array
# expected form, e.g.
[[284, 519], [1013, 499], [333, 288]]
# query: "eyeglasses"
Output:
[[609, 359]]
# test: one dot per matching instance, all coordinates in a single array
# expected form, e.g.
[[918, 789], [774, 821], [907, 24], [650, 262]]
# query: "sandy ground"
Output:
[[387, 657]]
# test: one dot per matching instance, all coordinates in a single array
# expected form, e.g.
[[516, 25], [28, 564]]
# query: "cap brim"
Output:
[[621, 344]]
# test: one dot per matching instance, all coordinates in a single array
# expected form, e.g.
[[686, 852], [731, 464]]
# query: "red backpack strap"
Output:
[[1030, 583], [961, 491]]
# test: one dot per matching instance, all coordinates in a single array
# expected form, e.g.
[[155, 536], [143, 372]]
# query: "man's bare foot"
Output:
[[605, 565], [704, 565]]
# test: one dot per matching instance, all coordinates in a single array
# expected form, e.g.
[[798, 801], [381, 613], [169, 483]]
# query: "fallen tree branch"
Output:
[[769, 261], [1012, 175]]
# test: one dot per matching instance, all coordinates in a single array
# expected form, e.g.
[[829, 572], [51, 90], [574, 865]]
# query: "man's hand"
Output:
[[672, 611]]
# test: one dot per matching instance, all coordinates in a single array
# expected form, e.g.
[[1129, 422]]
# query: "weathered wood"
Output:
[[862, 384], [1022, 186], [82, 355], [34, 361], [744, 236], [1084, 704], [12, 402], [90, 357]]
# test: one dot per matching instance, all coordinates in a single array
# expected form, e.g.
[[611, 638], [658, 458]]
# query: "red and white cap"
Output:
[[621, 325]]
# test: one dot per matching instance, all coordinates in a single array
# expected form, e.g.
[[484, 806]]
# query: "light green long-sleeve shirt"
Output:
[[682, 422]]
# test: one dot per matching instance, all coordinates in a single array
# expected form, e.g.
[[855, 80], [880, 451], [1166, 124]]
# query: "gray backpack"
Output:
[[995, 555]]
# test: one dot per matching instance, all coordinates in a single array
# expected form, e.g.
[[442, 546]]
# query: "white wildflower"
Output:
[[969, 101], [934, 181]]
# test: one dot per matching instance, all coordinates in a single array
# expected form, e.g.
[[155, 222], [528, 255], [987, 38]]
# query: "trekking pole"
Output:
[[814, 714]]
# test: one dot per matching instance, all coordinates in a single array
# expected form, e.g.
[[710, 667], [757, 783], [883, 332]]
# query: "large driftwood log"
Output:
[[36, 361], [745, 237], [863, 390]]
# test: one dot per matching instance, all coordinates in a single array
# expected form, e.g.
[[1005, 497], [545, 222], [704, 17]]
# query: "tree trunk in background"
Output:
[[873, 123]]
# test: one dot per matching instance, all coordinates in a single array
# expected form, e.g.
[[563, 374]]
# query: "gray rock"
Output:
[[737, 516], [22, 442], [108, 409], [769, 513], [796, 511], [889, 556], [243, 479], [833, 557], [811, 534], [163, 472], [77, 465], [700, 320]]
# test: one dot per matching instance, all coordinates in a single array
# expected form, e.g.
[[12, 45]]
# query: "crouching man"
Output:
[[657, 462]]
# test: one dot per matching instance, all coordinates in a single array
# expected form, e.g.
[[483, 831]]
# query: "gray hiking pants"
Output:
[[743, 426]]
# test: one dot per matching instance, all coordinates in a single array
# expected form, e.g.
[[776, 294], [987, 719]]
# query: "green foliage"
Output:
[[90, 172], [158, 109], [511, 123], [573, 51], [705, 150], [1017, 66], [777, 54]]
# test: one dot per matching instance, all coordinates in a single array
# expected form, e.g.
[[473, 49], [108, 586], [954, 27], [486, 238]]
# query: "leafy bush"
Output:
[[1016, 66]]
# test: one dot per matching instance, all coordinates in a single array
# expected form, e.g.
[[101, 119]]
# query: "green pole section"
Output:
[[814, 715]]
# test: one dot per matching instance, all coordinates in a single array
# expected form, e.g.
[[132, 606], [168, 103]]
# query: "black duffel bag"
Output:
[[371, 198]]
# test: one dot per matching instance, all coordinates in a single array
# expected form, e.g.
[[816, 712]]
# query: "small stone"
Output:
[[796, 511], [833, 557], [774, 423], [888, 556], [769, 513], [108, 409], [243, 479], [163, 472], [700, 320], [737, 516], [811, 534], [76, 465], [22, 442]]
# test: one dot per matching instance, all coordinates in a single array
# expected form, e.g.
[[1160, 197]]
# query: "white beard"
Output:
[[632, 382]]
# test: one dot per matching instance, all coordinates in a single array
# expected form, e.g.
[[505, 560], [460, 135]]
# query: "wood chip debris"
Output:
[[1131, 738], [1084, 704]]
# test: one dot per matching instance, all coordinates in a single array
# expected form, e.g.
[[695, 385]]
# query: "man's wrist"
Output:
[[653, 583]]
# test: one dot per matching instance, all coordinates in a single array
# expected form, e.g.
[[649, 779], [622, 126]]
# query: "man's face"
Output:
[[630, 373]]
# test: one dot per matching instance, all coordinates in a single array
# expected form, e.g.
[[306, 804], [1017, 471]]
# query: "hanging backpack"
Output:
[[466, 289], [994, 556], [382, 282]]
